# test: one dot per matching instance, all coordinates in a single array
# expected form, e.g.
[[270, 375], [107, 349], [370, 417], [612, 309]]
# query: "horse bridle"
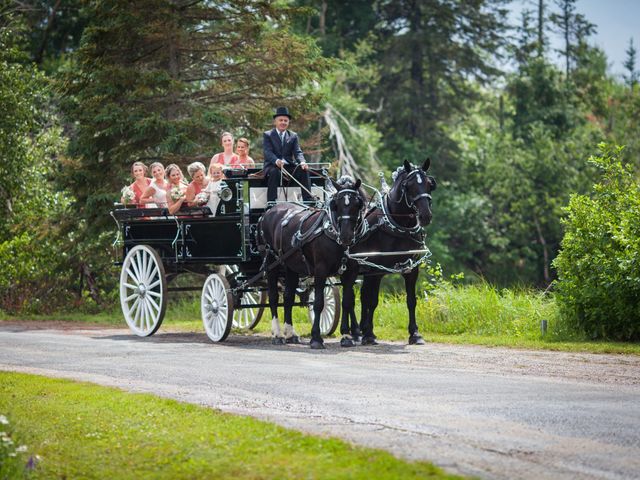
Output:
[[339, 219], [412, 203]]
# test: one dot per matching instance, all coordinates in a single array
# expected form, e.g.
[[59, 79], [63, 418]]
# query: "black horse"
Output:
[[395, 224], [312, 242]]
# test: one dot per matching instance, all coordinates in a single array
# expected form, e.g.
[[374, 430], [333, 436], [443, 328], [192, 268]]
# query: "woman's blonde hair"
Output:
[[170, 168], [156, 164], [139, 164], [245, 141]]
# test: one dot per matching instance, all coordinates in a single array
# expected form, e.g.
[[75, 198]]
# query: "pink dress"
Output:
[[137, 191], [219, 158]]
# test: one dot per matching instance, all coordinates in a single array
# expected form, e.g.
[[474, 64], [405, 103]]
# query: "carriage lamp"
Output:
[[225, 192]]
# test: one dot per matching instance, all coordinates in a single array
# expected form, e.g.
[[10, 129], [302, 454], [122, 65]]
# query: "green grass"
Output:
[[476, 314], [79, 430]]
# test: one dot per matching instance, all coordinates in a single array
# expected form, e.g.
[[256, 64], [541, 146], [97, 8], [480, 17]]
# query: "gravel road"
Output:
[[491, 412]]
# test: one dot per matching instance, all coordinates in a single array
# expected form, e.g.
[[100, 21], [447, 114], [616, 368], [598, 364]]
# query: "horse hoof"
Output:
[[369, 341], [356, 338], [416, 340], [294, 339], [317, 345], [277, 341], [346, 342]]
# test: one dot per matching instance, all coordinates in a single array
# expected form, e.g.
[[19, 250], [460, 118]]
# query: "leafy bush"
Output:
[[599, 264]]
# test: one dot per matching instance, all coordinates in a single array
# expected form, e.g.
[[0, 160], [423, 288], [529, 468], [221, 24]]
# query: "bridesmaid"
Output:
[[242, 149], [176, 183], [140, 182], [156, 193], [198, 183], [227, 157]]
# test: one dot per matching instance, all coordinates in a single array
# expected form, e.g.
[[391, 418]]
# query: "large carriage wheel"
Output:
[[330, 315], [249, 316], [216, 306], [143, 290]]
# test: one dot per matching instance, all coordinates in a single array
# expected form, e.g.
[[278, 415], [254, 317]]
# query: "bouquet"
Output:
[[201, 198], [128, 195], [176, 193]]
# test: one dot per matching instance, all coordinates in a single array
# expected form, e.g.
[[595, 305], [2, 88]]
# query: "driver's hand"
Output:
[[279, 163], [304, 166]]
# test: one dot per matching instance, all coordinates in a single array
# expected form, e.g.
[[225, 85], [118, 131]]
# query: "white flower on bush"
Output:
[[128, 195], [3, 420], [176, 193], [202, 198]]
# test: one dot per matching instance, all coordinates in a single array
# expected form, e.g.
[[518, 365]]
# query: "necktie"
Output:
[[282, 138]]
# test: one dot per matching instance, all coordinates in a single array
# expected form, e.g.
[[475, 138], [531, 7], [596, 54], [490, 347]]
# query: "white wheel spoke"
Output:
[[154, 284], [132, 296], [151, 293], [135, 262], [132, 276], [152, 303]]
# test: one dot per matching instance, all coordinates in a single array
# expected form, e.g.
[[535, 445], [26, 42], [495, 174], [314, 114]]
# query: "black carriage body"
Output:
[[195, 237]]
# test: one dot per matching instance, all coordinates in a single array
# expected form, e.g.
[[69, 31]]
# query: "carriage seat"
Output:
[[258, 195]]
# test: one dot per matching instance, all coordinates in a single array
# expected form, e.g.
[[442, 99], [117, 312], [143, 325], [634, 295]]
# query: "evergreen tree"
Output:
[[161, 79], [575, 30], [631, 78], [430, 50]]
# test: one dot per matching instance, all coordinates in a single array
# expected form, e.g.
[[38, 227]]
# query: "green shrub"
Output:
[[599, 264]]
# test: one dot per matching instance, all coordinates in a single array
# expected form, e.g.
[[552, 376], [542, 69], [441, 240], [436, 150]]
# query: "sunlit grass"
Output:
[[79, 430], [476, 314]]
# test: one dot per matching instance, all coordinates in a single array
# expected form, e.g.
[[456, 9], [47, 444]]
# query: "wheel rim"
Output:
[[330, 312], [249, 315], [143, 290], [216, 308]]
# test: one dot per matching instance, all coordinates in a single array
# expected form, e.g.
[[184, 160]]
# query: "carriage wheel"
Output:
[[330, 315], [249, 316], [143, 290], [216, 306]]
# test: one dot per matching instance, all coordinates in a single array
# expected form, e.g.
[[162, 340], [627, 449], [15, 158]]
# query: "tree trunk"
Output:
[[323, 18], [45, 35], [545, 251], [417, 70], [540, 28]]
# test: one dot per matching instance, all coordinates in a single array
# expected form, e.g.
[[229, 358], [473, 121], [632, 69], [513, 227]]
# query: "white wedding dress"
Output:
[[213, 189]]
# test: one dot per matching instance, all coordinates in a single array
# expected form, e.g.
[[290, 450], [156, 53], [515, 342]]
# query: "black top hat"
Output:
[[282, 112]]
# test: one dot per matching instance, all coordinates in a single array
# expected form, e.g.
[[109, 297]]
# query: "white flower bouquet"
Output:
[[176, 193], [128, 195], [201, 198]]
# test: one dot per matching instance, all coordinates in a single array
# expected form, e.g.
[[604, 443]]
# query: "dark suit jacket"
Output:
[[274, 150]]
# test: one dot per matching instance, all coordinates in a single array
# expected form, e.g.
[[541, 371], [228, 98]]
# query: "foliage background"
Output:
[[88, 87]]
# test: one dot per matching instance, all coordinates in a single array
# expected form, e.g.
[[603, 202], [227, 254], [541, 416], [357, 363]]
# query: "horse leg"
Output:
[[272, 282], [318, 305], [410, 280], [369, 295], [291, 282], [348, 305]]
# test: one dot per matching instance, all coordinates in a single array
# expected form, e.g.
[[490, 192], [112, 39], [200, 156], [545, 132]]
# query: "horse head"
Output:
[[346, 208], [414, 186]]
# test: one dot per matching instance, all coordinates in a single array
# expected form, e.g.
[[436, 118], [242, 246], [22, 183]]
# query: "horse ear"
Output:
[[357, 185], [407, 166], [426, 164]]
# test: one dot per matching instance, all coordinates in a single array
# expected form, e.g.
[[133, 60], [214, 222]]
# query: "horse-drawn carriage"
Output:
[[233, 253], [154, 248]]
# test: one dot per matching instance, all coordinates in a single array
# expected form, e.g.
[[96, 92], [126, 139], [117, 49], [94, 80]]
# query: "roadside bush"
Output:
[[598, 287]]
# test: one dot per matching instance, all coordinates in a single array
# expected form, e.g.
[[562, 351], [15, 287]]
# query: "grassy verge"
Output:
[[79, 430], [478, 314]]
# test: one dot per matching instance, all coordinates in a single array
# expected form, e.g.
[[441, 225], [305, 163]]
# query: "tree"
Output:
[[629, 64], [160, 79], [575, 30], [429, 51]]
